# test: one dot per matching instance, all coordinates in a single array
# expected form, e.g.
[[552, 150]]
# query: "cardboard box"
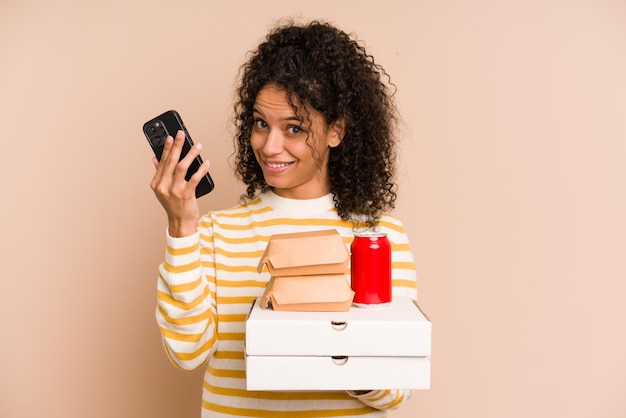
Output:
[[339, 373], [383, 348], [305, 253], [308, 272], [399, 329]]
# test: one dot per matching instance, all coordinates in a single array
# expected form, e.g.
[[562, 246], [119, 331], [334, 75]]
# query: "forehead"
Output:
[[272, 97], [272, 103]]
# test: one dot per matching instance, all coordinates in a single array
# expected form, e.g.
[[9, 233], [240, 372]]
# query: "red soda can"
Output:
[[370, 269]]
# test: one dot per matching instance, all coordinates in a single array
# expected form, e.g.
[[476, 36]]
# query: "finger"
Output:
[[160, 163], [199, 174], [171, 151], [165, 153], [185, 163]]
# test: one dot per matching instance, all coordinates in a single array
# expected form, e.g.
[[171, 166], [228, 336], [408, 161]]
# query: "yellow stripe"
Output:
[[231, 336], [404, 283], [183, 268], [187, 320], [236, 215], [164, 297], [245, 412], [190, 356], [241, 283], [232, 317], [234, 269], [229, 355], [377, 395], [231, 300], [334, 223], [397, 401], [235, 374], [173, 335], [186, 287], [182, 251], [406, 265], [235, 240], [278, 396], [231, 254], [400, 247], [288, 222]]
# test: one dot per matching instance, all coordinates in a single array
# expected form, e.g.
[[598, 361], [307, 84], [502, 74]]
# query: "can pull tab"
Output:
[[339, 325], [340, 360]]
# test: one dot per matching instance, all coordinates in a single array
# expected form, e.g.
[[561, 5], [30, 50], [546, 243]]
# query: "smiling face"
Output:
[[292, 150]]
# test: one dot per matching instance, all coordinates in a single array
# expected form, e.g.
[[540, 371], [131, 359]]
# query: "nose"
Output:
[[273, 142]]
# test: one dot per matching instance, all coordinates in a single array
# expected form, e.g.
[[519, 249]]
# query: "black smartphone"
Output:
[[168, 123]]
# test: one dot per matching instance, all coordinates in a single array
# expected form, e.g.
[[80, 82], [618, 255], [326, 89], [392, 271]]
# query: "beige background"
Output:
[[512, 191]]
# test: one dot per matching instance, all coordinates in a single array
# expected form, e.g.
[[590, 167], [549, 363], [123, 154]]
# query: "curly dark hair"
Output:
[[325, 69]]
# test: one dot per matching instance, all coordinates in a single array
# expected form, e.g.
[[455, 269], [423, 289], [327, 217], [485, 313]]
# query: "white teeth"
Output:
[[276, 165]]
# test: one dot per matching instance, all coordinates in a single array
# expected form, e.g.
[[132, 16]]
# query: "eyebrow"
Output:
[[288, 118]]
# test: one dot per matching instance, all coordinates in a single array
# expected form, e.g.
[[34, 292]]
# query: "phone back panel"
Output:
[[156, 131]]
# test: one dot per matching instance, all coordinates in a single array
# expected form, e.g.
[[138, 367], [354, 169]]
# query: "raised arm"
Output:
[[186, 312]]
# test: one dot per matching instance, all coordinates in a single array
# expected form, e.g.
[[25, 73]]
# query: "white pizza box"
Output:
[[399, 329], [304, 373]]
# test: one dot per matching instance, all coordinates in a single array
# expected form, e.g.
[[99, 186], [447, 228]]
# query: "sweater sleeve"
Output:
[[186, 313], [384, 399], [403, 271]]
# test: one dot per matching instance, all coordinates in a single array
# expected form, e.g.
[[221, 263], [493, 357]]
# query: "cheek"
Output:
[[255, 142]]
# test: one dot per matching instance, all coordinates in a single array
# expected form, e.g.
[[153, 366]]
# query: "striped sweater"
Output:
[[205, 289]]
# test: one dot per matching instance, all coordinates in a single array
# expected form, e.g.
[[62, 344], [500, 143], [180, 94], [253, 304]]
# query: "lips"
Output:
[[276, 166]]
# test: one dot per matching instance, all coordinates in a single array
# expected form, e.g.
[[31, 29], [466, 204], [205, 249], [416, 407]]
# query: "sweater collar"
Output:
[[300, 206]]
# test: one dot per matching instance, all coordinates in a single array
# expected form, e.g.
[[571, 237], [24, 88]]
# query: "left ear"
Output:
[[337, 131]]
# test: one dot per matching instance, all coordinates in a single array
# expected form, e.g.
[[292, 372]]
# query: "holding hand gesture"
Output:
[[177, 195]]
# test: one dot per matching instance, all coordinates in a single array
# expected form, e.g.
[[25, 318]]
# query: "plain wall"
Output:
[[511, 188]]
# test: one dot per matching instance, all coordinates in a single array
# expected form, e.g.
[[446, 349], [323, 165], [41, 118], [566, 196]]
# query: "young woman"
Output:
[[315, 146]]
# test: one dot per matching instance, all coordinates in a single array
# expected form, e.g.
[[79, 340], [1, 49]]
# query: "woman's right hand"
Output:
[[177, 195]]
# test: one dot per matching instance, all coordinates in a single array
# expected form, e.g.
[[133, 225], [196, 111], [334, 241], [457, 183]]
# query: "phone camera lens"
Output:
[[156, 133]]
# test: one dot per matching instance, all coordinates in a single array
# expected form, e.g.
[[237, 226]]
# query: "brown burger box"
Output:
[[307, 272]]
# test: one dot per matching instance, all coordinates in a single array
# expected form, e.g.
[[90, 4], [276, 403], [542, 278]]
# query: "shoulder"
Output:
[[389, 222], [238, 214], [393, 227], [253, 205]]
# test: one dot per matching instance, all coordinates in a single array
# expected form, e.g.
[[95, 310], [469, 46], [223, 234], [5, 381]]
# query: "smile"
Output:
[[276, 166]]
